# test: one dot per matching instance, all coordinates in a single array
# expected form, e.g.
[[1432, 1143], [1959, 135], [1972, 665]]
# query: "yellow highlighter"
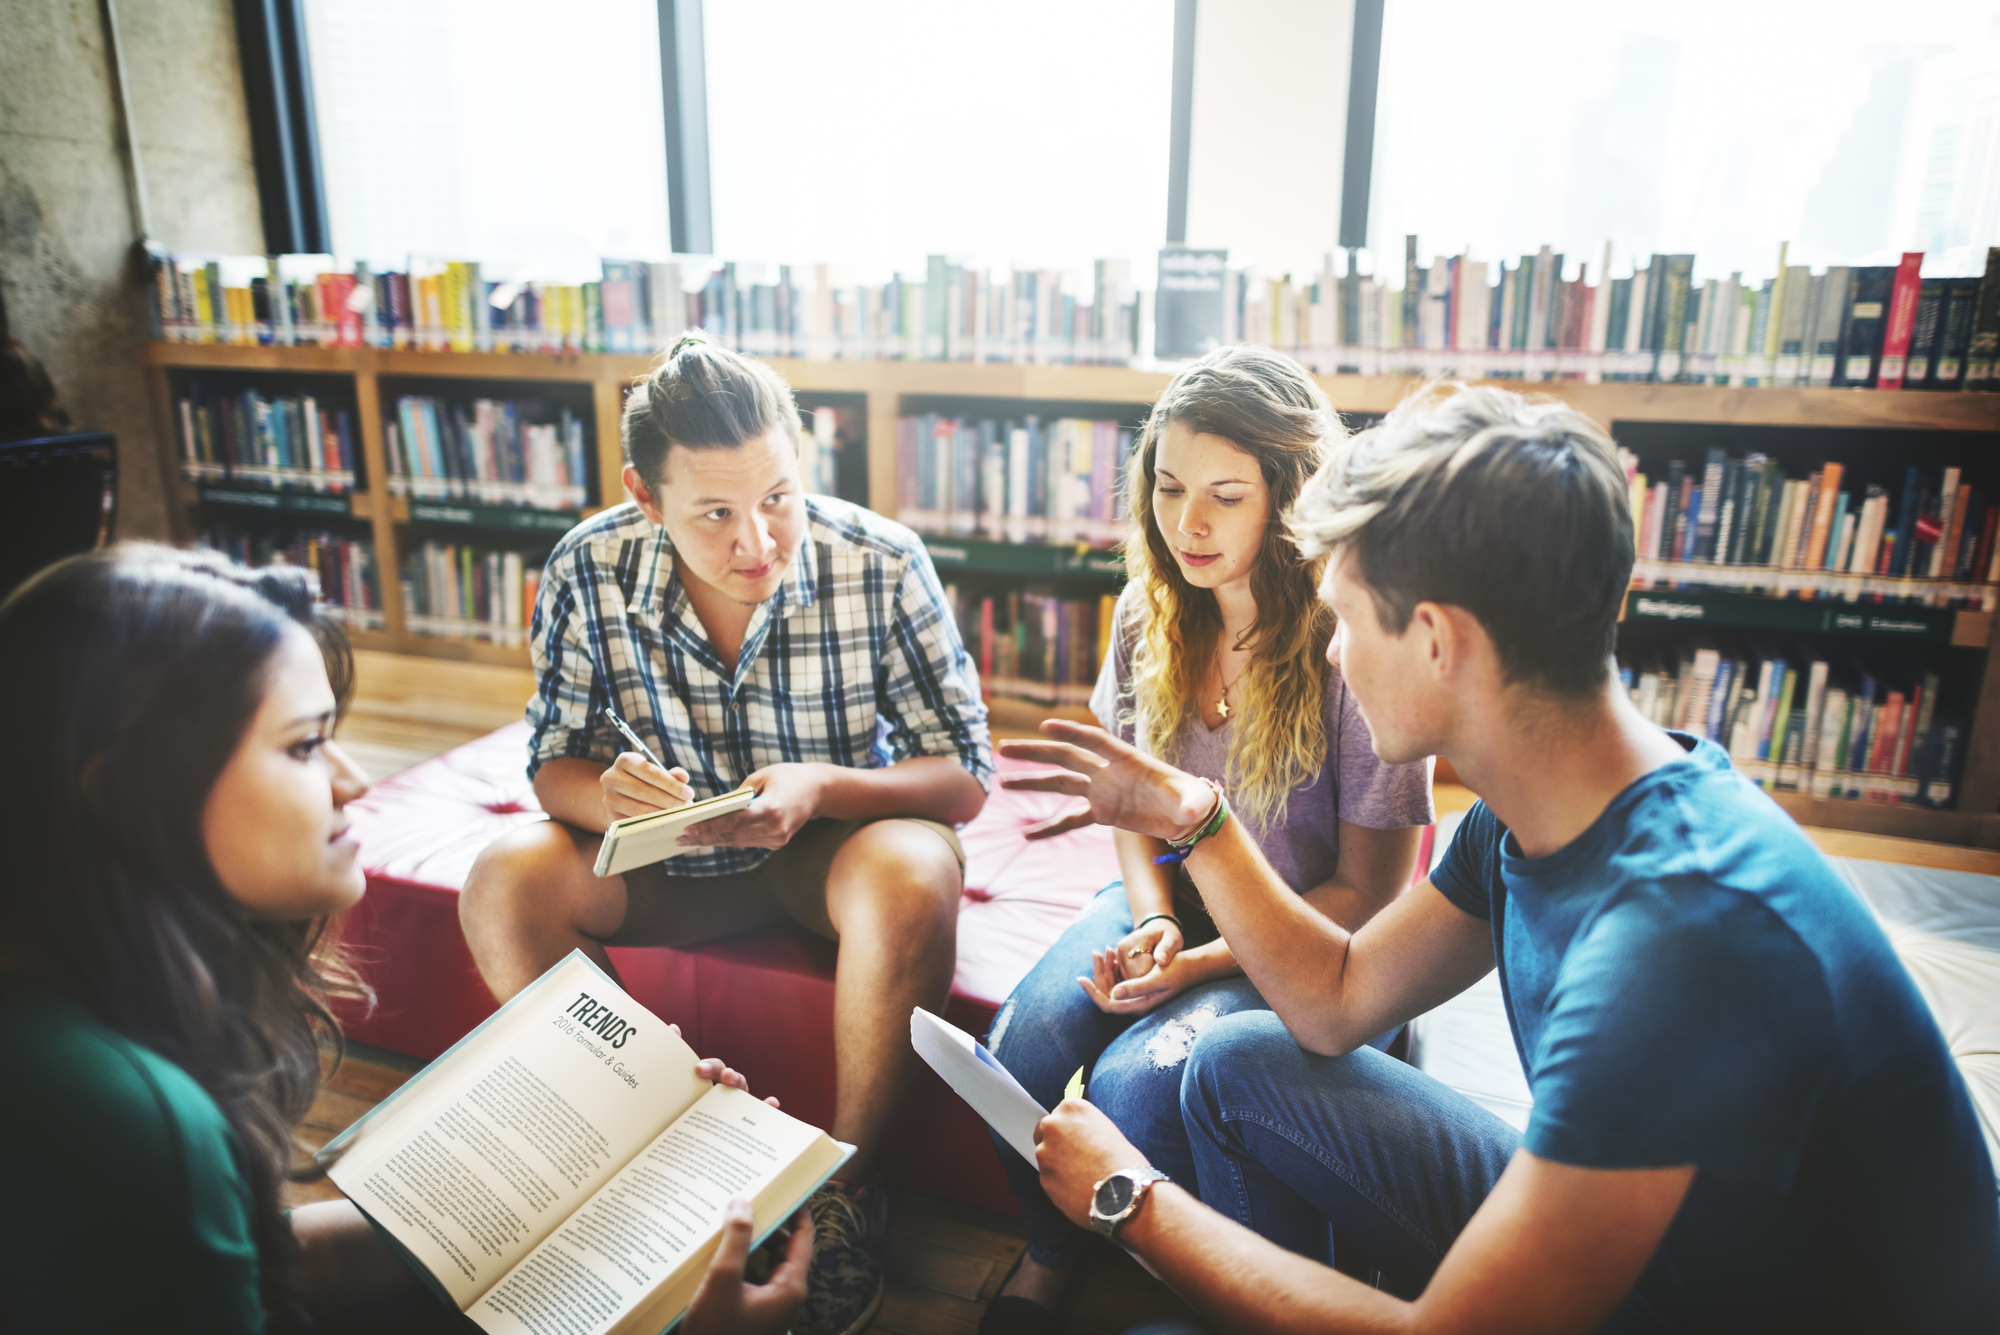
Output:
[[1074, 1089]]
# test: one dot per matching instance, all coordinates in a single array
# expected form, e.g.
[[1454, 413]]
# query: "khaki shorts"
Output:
[[662, 909]]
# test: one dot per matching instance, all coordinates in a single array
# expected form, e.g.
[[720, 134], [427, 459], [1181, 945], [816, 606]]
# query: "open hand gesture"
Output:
[[1124, 786]]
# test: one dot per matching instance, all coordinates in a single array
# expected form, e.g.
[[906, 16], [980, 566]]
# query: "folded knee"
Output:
[[507, 871], [1245, 1042], [899, 869]]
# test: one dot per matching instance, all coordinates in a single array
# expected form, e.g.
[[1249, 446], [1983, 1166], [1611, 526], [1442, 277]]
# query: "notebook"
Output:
[[640, 841]]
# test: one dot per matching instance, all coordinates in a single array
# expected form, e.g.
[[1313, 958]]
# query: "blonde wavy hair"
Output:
[[1266, 405]]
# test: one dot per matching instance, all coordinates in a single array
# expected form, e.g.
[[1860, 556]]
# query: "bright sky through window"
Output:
[[1720, 127]]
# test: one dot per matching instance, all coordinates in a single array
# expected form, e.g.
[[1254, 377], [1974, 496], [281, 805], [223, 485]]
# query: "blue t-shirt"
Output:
[[1689, 981]]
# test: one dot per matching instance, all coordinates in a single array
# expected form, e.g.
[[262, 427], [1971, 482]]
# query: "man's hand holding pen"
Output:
[[637, 783], [634, 786]]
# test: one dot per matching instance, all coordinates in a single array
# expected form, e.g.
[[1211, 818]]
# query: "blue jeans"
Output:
[[1287, 1143], [1049, 1027]]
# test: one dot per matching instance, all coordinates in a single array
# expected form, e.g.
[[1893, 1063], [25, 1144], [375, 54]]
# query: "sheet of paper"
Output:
[[636, 1231], [519, 1125], [975, 1076]]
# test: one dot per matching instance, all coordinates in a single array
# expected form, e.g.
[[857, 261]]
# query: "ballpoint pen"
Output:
[[625, 731]]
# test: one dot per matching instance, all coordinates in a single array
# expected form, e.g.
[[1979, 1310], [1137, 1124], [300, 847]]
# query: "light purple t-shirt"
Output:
[[1303, 846]]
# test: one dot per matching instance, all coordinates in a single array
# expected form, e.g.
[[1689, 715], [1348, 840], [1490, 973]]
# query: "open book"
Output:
[[640, 841], [563, 1169]]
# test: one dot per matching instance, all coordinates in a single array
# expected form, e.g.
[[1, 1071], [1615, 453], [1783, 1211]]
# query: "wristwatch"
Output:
[[1117, 1197]]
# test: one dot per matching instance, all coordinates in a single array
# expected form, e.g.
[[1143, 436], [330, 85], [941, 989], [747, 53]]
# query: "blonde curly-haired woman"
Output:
[[1217, 664]]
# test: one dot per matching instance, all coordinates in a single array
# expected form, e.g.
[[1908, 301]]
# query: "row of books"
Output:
[[460, 591], [1034, 645], [1872, 326], [502, 452], [1747, 513], [1015, 481], [952, 312], [1798, 723], [350, 585], [266, 441], [1881, 326]]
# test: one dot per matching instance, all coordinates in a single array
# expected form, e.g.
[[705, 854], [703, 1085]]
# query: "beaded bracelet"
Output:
[[1209, 825]]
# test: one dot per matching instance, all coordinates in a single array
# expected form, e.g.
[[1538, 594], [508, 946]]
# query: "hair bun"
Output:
[[693, 338]]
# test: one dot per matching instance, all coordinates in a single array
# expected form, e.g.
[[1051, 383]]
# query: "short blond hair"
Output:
[[1514, 508]]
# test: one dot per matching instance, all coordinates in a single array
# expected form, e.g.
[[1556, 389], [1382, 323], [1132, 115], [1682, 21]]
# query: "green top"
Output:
[[123, 1200]]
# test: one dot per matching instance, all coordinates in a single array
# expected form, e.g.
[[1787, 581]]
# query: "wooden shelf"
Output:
[[886, 385], [1608, 402], [1970, 828]]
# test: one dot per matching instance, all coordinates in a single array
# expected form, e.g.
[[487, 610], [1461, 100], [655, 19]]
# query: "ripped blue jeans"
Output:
[[1132, 1064]]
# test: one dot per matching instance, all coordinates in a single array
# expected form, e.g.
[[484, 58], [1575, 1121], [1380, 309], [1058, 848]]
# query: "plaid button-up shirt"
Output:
[[854, 661]]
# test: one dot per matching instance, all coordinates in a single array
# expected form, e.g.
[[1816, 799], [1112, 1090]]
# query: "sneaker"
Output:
[[850, 1234]]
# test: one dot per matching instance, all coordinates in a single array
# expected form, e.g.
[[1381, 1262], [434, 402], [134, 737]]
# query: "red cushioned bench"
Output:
[[762, 1001]]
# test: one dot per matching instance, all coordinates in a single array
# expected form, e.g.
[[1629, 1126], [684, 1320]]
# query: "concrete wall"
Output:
[[66, 223]]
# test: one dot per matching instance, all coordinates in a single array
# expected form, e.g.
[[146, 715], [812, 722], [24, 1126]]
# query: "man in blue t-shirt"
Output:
[[1744, 1117]]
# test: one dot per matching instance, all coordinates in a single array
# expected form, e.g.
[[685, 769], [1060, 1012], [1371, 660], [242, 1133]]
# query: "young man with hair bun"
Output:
[[758, 636]]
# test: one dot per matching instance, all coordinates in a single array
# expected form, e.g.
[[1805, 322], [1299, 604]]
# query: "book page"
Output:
[[656, 1220], [502, 1137]]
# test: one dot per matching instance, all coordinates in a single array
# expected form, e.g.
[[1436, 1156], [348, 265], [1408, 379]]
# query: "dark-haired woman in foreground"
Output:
[[172, 813]]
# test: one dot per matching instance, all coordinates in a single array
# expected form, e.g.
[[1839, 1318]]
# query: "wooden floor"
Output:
[[945, 1260]]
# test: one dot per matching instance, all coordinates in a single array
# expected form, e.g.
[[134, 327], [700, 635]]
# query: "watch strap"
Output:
[[1142, 1178]]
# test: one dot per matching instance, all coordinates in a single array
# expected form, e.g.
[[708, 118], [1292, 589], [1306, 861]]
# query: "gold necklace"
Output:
[[1222, 704]]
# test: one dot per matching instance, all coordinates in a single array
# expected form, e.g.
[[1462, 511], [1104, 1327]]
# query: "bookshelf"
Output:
[[886, 389]]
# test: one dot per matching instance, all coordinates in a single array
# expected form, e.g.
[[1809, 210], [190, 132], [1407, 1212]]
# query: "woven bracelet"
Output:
[[1208, 827]]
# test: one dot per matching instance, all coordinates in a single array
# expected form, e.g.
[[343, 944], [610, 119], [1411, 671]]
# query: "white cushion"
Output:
[[1945, 926]]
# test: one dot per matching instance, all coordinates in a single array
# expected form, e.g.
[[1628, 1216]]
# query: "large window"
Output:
[[1031, 133], [867, 135], [507, 131], [1719, 127]]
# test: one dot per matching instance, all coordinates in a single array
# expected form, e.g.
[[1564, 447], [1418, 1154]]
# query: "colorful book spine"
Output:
[[463, 591], [1539, 318], [521, 453], [350, 585], [242, 438], [1034, 644], [1013, 481]]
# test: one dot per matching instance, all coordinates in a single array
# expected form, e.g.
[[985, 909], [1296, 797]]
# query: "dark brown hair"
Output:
[[705, 397], [29, 405], [1515, 509], [134, 673]]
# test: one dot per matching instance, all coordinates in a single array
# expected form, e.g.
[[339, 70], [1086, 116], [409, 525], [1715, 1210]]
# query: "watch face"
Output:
[[1114, 1195]]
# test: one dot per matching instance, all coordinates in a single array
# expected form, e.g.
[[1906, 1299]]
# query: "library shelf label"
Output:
[[1794, 614], [494, 516], [294, 502], [1024, 558]]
